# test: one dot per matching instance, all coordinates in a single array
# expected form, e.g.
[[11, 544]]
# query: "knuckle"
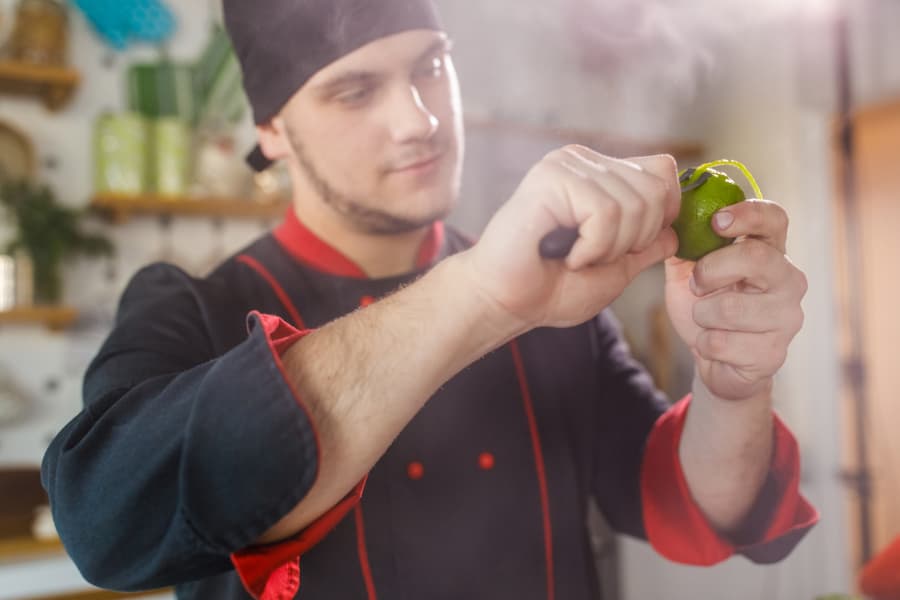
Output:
[[755, 217], [663, 164], [782, 219], [669, 162], [779, 357], [803, 283], [609, 211], [776, 352], [797, 322], [575, 148], [657, 188], [556, 155]]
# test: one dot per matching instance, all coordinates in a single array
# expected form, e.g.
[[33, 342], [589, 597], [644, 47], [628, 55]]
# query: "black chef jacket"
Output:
[[192, 443]]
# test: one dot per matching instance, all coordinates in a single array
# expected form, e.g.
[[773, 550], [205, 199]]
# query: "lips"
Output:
[[420, 163]]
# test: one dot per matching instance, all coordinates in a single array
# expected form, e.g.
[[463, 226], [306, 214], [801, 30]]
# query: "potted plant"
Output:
[[48, 233]]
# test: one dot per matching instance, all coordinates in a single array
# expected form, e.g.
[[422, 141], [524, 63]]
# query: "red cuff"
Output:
[[880, 577], [280, 336], [273, 572], [678, 530], [280, 333]]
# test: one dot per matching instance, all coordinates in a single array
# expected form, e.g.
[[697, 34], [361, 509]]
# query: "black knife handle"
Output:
[[558, 243]]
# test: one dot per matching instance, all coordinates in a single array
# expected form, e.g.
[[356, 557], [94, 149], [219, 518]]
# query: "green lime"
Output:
[[696, 236]]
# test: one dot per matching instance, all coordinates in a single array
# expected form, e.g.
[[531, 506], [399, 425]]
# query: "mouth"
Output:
[[420, 165]]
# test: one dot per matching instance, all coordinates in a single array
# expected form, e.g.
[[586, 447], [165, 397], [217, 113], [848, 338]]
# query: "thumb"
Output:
[[664, 246]]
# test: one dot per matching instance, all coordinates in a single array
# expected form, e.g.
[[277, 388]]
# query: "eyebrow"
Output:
[[351, 78]]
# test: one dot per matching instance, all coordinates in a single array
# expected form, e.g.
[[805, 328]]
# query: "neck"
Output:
[[377, 255]]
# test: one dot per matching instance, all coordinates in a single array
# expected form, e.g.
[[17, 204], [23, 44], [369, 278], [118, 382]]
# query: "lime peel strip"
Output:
[[737, 165]]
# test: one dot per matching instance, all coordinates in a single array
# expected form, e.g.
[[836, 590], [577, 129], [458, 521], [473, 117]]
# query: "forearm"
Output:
[[364, 376], [725, 452]]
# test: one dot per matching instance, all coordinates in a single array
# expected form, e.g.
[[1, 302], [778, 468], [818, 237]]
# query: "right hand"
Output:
[[623, 210]]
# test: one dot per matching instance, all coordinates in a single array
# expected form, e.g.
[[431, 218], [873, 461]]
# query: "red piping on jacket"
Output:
[[276, 287], [539, 466], [295, 315], [363, 553]]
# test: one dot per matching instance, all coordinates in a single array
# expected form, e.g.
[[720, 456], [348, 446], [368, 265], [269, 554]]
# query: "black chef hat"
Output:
[[282, 43]]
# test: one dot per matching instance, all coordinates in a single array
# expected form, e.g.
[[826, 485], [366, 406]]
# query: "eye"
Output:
[[355, 96]]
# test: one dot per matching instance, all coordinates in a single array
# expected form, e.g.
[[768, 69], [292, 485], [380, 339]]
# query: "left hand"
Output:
[[738, 308]]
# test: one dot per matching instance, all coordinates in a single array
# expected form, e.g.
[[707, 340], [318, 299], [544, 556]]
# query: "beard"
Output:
[[363, 218]]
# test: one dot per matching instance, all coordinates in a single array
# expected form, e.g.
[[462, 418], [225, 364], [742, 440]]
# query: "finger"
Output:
[[760, 219], [751, 313], [664, 246], [655, 178], [748, 261], [643, 196], [664, 168], [596, 215], [633, 209], [757, 354]]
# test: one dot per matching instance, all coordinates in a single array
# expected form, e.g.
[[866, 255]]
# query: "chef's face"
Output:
[[376, 136]]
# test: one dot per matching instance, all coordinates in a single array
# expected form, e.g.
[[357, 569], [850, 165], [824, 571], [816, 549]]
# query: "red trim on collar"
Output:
[[308, 248], [431, 246], [305, 246]]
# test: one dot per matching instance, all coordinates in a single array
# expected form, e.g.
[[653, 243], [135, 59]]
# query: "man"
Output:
[[481, 395]]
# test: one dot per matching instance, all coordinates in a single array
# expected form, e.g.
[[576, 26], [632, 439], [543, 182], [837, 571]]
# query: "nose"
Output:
[[411, 120]]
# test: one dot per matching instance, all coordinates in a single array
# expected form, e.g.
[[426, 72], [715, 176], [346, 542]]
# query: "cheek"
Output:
[[345, 151], [442, 100]]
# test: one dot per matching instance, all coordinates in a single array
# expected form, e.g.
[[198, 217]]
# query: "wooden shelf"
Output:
[[55, 85], [55, 318], [616, 145], [120, 208], [17, 549]]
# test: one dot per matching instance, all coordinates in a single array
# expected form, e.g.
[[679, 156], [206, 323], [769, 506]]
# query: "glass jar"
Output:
[[40, 33]]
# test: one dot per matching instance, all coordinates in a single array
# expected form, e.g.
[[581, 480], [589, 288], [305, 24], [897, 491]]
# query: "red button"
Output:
[[486, 461], [366, 301], [415, 470]]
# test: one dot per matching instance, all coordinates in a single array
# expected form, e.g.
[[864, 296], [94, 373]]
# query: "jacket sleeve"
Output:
[[180, 457], [677, 528], [640, 486]]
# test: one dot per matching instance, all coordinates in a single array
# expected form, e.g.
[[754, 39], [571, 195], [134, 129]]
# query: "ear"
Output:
[[273, 139]]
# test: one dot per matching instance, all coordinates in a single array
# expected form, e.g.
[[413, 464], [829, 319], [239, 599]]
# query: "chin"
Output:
[[436, 204]]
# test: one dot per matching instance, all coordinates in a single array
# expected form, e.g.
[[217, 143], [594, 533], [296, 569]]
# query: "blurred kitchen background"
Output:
[[122, 124]]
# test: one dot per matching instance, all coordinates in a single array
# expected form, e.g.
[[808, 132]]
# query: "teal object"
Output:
[[121, 23], [120, 142]]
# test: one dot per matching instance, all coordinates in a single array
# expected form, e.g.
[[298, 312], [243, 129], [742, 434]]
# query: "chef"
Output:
[[364, 404]]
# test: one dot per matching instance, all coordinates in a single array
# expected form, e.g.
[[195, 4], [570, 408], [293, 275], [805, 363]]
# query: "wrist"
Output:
[[486, 319], [761, 396]]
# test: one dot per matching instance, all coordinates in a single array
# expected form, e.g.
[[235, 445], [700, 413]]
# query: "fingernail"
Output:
[[724, 219]]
